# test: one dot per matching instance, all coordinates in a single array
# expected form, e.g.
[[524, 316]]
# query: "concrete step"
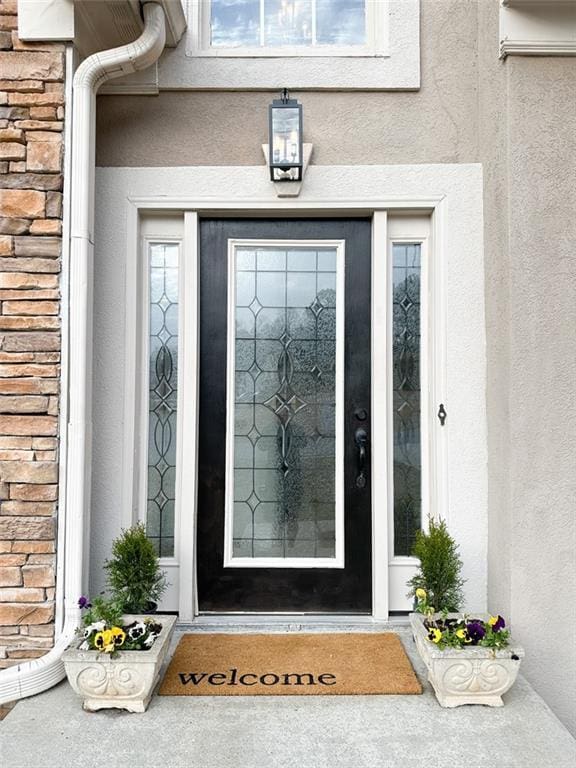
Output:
[[289, 731]]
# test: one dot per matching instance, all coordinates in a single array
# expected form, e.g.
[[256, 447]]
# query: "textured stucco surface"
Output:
[[492, 153], [400, 69], [518, 118], [542, 197], [435, 124]]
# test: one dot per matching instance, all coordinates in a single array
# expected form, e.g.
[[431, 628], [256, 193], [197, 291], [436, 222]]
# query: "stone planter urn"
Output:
[[123, 682], [471, 675]]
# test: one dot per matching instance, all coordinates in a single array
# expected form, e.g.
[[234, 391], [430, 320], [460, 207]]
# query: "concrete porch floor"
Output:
[[291, 731]]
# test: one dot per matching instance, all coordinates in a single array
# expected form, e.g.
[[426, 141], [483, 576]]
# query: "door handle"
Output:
[[442, 414], [361, 440]]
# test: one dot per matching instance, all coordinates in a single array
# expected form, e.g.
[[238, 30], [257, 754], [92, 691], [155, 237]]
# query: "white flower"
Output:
[[150, 640], [98, 626], [137, 630]]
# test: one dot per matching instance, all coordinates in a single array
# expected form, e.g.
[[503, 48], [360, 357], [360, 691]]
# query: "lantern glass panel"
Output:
[[286, 136]]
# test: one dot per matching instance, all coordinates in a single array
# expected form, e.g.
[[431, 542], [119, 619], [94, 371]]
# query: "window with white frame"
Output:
[[311, 44], [292, 27]]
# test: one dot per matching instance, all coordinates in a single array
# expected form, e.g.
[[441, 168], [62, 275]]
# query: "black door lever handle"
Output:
[[361, 440]]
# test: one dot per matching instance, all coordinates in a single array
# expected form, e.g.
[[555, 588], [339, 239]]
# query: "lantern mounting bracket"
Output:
[[290, 188]]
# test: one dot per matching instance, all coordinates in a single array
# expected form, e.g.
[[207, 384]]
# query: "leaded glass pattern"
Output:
[[284, 421], [406, 396], [162, 395]]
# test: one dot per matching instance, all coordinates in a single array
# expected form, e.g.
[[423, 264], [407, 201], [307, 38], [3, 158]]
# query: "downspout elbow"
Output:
[[117, 62]]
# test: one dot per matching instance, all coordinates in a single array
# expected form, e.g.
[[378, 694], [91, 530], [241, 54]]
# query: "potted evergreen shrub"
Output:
[[117, 659], [471, 659], [134, 575], [439, 572]]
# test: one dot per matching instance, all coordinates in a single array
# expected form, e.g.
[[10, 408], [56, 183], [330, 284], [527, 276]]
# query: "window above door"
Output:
[[287, 28], [312, 44]]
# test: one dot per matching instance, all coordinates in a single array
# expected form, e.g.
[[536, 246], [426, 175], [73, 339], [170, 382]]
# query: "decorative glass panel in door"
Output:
[[286, 344], [284, 504]]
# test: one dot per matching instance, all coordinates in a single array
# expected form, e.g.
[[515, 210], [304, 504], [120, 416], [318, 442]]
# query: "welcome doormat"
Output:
[[289, 664]]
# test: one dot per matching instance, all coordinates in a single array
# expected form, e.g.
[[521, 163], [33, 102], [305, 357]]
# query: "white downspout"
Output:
[[35, 676]]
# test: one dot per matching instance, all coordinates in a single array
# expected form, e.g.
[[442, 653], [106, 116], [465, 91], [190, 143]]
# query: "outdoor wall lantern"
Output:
[[285, 131], [286, 154]]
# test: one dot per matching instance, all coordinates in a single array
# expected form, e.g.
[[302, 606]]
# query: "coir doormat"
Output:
[[289, 664]]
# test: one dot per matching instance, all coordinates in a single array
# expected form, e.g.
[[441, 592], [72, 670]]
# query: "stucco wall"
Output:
[[518, 118], [492, 153], [542, 287], [436, 124]]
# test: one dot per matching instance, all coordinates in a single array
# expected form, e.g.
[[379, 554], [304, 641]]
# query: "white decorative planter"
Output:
[[472, 675], [123, 682]]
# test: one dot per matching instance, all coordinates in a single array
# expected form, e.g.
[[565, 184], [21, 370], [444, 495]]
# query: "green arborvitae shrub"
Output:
[[440, 568], [134, 575]]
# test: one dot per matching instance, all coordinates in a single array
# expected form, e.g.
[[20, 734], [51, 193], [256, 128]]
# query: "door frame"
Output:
[[326, 584], [182, 566], [452, 192]]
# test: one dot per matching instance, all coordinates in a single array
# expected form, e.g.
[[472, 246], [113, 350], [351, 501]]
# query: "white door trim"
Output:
[[453, 194], [417, 230], [379, 447], [378, 439], [187, 446], [389, 573]]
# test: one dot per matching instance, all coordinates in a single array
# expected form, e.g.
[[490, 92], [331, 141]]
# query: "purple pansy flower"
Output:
[[475, 631], [498, 624], [84, 602]]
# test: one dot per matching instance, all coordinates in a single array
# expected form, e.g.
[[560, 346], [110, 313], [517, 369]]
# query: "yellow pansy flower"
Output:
[[421, 593], [104, 641], [492, 620], [118, 636], [434, 635]]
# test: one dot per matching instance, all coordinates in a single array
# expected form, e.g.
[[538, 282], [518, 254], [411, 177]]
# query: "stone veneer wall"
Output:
[[31, 125]]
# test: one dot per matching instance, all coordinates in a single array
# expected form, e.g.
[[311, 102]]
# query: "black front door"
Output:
[[284, 513]]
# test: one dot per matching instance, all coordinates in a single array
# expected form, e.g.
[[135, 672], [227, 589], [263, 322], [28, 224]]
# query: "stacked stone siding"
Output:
[[31, 125]]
